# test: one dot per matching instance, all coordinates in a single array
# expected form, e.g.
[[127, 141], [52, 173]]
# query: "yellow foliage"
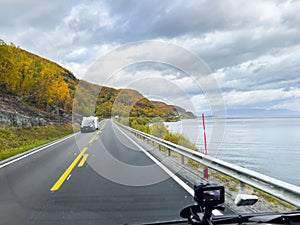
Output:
[[34, 79], [48, 86]]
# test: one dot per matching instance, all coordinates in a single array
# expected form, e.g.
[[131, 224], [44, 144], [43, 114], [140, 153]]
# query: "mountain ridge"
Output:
[[36, 83]]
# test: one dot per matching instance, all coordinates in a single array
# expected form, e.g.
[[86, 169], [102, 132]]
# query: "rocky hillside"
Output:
[[14, 112], [36, 91]]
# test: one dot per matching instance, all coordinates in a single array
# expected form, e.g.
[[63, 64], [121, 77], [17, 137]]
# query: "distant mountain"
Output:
[[121, 102], [42, 86], [174, 110], [260, 112]]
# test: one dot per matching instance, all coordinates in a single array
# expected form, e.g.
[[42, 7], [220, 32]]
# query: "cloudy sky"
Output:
[[251, 47]]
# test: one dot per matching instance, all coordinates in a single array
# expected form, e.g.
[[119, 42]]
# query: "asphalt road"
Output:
[[110, 187]]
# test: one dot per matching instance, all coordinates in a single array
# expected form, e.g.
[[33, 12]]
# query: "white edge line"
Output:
[[164, 168], [169, 172], [36, 151]]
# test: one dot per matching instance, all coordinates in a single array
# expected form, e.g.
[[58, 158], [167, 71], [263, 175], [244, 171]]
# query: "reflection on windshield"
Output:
[[154, 67]]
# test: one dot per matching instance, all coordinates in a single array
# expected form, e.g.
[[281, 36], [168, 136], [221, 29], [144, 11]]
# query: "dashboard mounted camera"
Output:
[[209, 195]]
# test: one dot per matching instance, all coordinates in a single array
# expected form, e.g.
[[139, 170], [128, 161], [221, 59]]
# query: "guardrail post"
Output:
[[169, 152], [204, 172], [159, 147], [182, 159], [242, 187]]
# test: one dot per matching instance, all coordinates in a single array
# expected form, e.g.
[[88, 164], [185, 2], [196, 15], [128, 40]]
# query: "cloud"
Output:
[[57, 30], [280, 70], [249, 45], [41, 15], [290, 104], [268, 100]]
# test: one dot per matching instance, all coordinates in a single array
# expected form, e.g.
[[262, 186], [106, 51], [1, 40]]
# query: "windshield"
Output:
[[112, 111], [87, 121]]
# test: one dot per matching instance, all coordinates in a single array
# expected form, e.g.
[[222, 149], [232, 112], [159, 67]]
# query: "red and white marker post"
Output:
[[205, 171]]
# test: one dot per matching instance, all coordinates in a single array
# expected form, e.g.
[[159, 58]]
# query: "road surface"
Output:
[[63, 184]]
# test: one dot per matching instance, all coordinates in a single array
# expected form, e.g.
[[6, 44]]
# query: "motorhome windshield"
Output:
[[87, 122]]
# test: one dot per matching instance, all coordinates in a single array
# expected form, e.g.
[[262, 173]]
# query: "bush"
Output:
[[159, 130]]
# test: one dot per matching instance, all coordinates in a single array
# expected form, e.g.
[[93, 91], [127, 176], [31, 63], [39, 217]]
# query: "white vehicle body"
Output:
[[89, 124]]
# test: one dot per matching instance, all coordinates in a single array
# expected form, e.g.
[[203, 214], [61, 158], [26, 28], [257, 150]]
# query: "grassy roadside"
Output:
[[16, 140]]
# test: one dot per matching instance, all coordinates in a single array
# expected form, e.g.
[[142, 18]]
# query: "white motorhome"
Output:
[[89, 124]]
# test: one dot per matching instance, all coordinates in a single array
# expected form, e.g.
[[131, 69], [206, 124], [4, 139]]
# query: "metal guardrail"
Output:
[[287, 192]]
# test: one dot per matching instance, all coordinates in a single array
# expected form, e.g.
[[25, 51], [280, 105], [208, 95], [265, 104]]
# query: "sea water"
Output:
[[270, 146]]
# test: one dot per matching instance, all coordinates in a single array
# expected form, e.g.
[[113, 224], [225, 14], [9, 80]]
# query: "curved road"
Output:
[[67, 183]]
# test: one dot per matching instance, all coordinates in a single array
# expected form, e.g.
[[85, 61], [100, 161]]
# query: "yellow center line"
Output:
[[93, 138], [64, 176], [83, 160], [102, 127]]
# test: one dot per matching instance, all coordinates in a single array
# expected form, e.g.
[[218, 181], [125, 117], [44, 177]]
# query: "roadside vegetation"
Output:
[[16, 140], [156, 127]]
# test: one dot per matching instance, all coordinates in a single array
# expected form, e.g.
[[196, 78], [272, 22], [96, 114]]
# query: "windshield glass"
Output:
[[112, 111], [87, 122]]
